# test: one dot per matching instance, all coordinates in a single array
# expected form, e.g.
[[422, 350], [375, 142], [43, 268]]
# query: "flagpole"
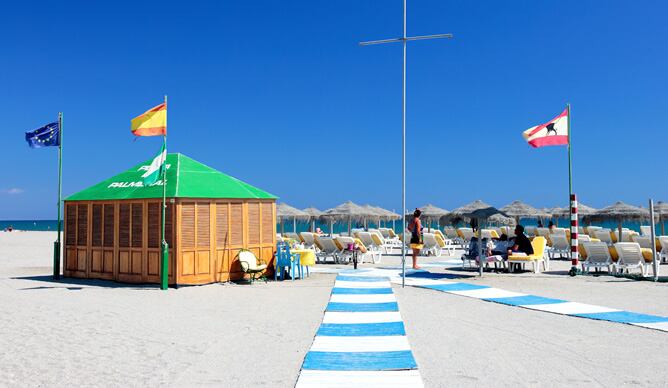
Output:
[[572, 201], [56, 245], [164, 274]]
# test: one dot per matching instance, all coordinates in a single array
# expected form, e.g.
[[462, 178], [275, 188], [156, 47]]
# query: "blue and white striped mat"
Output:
[[361, 341]]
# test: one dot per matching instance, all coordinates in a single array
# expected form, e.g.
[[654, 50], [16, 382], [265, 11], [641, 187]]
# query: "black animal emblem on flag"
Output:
[[550, 128]]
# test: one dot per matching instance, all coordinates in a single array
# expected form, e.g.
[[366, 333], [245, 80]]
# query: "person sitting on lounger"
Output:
[[522, 243]]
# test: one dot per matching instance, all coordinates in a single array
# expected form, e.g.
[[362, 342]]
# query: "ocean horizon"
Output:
[[339, 227]]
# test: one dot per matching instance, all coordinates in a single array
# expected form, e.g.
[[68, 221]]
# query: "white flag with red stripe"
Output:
[[554, 132]]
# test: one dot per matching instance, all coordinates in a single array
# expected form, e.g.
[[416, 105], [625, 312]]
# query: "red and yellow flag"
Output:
[[152, 123]]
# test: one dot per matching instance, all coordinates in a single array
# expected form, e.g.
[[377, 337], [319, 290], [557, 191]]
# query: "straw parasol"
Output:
[[283, 211], [345, 211], [619, 211], [519, 209], [500, 219], [464, 212], [431, 213], [478, 210], [382, 214], [583, 211], [314, 214]]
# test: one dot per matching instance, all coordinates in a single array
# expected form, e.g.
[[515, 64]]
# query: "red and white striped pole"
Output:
[[574, 231]]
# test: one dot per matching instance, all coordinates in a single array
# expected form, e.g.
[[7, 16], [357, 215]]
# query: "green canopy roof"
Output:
[[186, 178]]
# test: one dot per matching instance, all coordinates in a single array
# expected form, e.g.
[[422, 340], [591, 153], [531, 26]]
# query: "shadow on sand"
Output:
[[74, 284]]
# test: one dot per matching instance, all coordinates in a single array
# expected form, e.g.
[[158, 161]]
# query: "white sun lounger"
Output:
[[560, 246], [430, 245], [309, 239], [604, 236], [643, 241], [630, 256], [376, 251], [663, 255], [327, 249], [598, 256]]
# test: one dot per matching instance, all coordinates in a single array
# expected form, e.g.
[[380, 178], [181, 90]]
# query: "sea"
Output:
[[339, 227]]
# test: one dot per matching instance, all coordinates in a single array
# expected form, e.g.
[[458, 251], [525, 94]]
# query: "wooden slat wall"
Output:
[[121, 240]]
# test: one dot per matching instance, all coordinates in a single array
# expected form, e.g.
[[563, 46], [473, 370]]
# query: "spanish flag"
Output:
[[152, 123]]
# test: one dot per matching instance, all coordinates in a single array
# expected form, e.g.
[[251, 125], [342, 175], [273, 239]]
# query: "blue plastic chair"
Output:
[[282, 260], [295, 265]]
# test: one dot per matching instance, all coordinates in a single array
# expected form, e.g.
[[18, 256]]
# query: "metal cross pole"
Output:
[[403, 41]]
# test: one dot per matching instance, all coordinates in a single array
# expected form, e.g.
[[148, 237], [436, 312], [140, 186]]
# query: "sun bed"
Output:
[[598, 256], [308, 238], [643, 241], [560, 246], [538, 256], [604, 235], [630, 256], [430, 245], [375, 250], [530, 230], [645, 230], [327, 249], [663, 254], [466, 234]]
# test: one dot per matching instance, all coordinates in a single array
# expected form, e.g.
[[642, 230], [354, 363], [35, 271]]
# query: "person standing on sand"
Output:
[[415, 227]]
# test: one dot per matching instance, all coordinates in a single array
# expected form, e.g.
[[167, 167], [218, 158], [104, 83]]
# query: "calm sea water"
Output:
[[46, 225]]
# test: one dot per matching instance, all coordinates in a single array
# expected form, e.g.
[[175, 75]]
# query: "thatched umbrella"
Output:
[[619, 211], [313, 214], [480, 211], [519, 209], [662, 209], [283, 211], [431, 213], [345, 211], [382, 214], [583, 210], [500, 219], [464, 212]]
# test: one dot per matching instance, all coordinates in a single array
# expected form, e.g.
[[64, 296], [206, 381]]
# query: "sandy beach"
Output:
[[98, 333]]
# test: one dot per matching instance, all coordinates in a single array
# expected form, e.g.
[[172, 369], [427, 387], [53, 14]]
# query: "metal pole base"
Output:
[[56, 260], [574, 271], [164, 273]]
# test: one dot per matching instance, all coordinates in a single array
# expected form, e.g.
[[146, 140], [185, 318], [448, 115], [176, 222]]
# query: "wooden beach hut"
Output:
[[113, 229]]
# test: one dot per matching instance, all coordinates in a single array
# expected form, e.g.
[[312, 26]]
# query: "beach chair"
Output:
[[604, 235], [663, 254], [630, 256], [489, 234], [430, 245], [598, 256], [292, 236], [643, 241], [645, 230], [251, 265], [309, 239], [466, 234], [545, 232], [591, 230], [327, 249], [378, 240], [530, 230], [626, 235], [560, 246], [375, 250], [558, 231], [583, 238], [445, 244], [538, 256]]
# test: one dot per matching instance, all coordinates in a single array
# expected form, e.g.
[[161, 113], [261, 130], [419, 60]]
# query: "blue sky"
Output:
[[279, 94]]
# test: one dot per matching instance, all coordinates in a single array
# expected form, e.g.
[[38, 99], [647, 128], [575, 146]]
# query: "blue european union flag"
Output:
[[46, 136]]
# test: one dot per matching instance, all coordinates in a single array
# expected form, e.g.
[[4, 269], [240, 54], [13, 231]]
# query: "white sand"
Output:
[[90, 333], [94, 333]]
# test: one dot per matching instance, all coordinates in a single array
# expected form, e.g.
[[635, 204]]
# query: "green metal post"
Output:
[[56, 244], [164, 273]]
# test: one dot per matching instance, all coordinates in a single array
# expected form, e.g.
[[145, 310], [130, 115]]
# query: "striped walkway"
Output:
[[361, 341], [533, 302]]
